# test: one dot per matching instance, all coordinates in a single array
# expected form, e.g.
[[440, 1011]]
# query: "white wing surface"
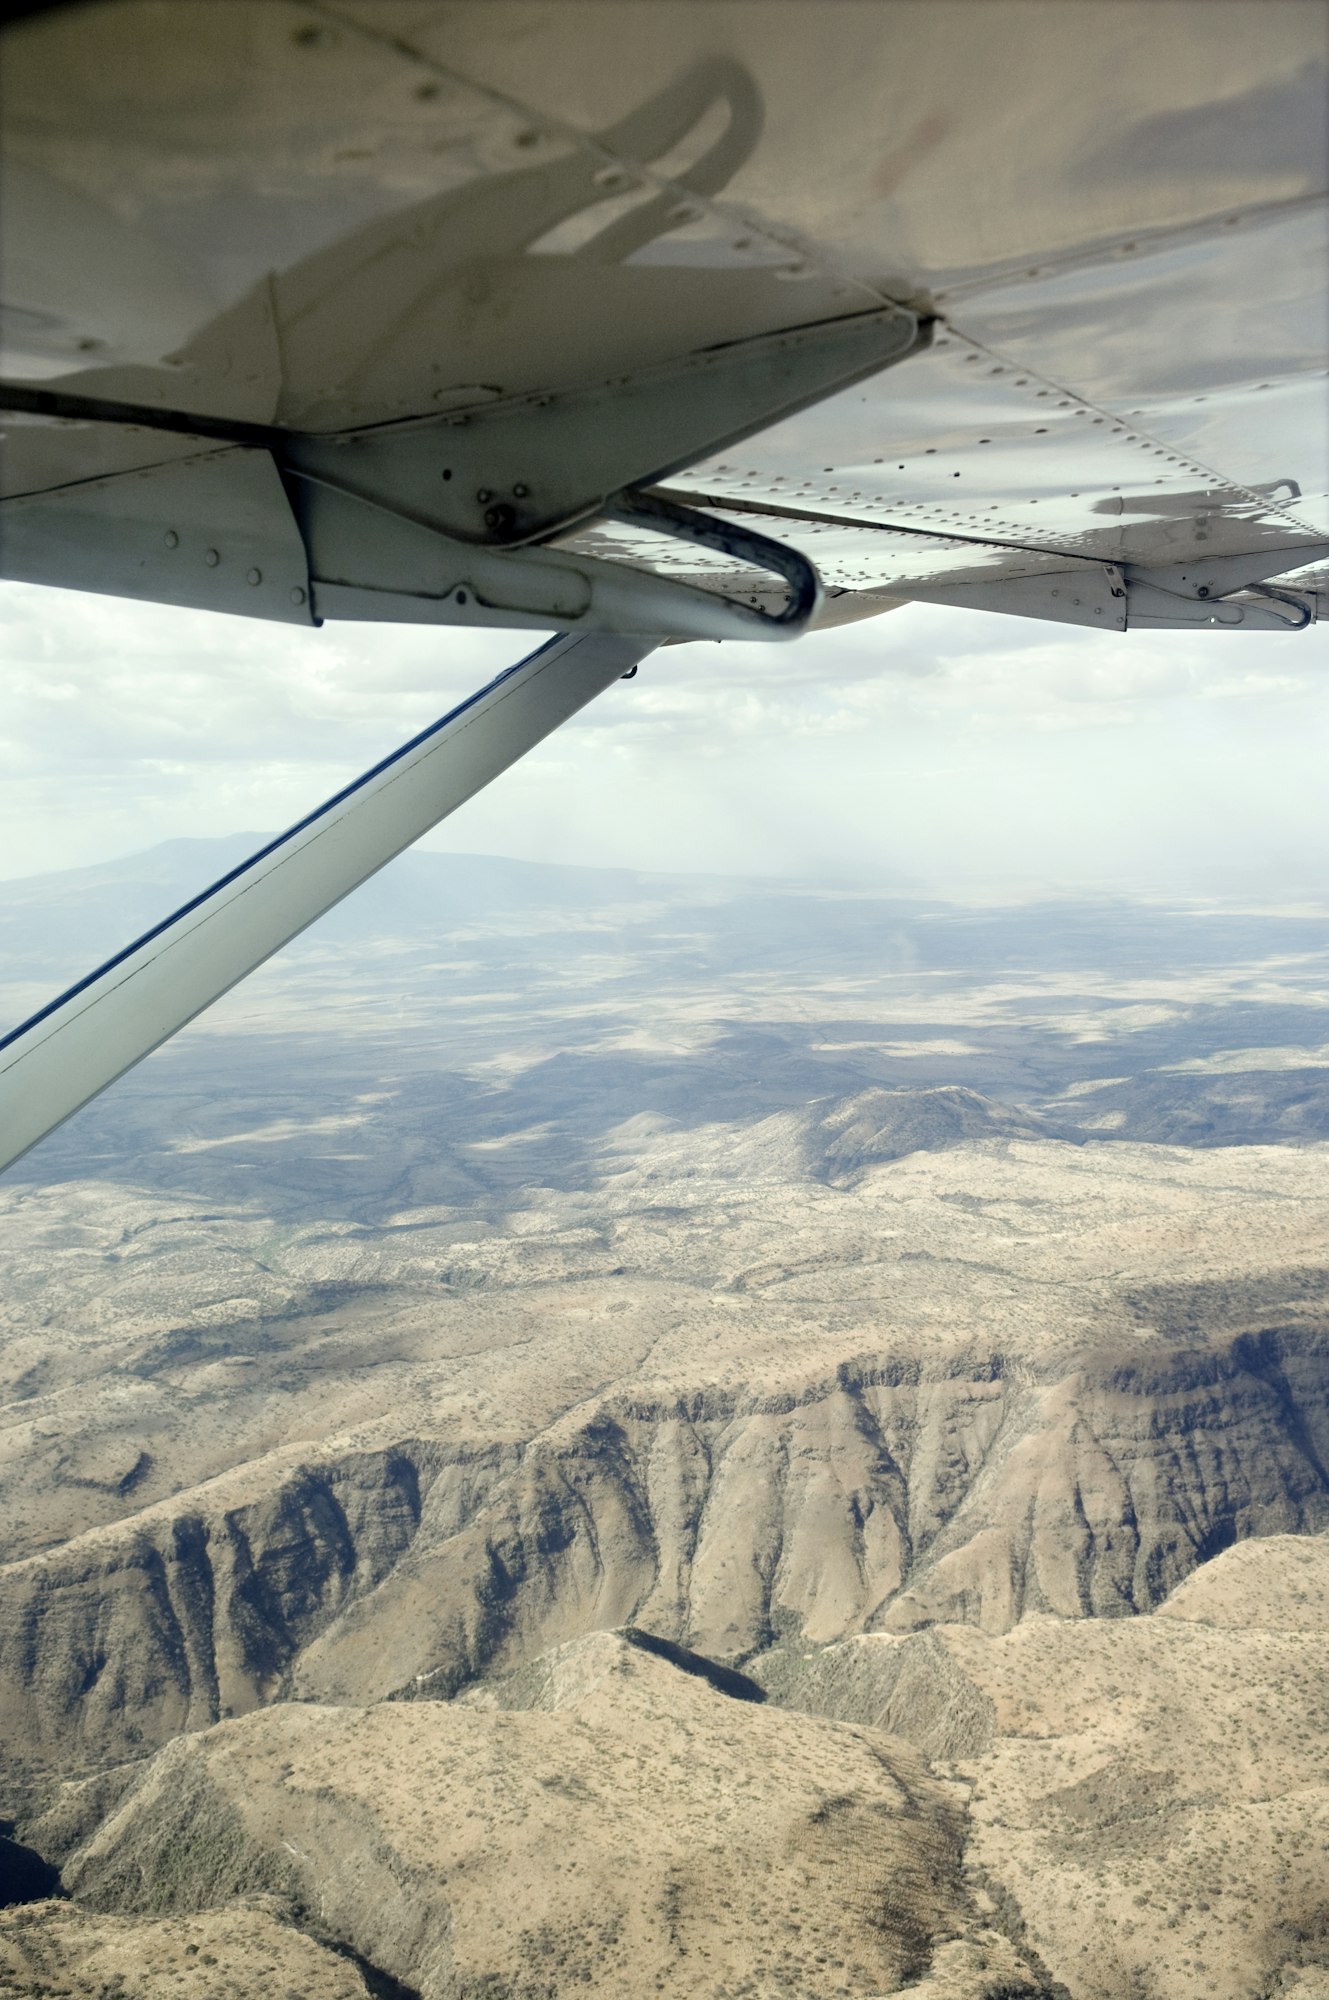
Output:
[[649, 318], [373, 307]]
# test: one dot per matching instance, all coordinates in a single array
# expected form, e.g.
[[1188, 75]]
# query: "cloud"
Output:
[[939, 746]]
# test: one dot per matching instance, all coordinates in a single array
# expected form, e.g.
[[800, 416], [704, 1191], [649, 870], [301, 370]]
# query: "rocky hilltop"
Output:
[[837, 1140], [666, 1836]]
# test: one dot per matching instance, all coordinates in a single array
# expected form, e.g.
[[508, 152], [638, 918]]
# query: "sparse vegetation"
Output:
[[944, 1356]]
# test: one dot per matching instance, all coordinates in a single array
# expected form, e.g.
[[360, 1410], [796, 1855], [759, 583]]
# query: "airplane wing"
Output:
[[667, 320]]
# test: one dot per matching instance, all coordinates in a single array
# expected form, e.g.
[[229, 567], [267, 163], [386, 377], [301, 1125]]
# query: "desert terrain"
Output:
[[597, 1432]]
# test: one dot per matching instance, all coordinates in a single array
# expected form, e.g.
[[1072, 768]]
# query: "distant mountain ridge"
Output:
[[72, 918]]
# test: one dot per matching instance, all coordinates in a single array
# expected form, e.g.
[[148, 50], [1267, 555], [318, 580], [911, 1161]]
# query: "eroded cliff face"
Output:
[[1134, 1473], [892, 1497], [132, 1635]]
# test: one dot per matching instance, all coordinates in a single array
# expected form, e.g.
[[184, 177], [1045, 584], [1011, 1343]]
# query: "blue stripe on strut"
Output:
[[243, 867]]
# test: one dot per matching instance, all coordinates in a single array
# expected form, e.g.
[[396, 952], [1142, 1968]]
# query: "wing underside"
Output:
[[641, 322], [379, 311]]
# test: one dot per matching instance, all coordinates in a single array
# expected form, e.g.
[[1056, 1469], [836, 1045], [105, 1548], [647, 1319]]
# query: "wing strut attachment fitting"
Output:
[[419, 573], [729, 538], [449, 519], [110, 1020]]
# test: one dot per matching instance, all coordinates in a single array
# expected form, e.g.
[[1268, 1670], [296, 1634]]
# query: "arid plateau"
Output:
[[597, 1433]]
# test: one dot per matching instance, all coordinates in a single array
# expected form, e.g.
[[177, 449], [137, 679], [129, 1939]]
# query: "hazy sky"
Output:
[[931, 748]]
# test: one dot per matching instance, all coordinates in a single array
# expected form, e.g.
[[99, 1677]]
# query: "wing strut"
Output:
[[118, 1014]]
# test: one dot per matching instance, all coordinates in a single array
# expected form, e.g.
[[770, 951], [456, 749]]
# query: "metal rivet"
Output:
[[297, 595], [171, 539], [212, 559], [520, 491], [483, 495], [254, 576]]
